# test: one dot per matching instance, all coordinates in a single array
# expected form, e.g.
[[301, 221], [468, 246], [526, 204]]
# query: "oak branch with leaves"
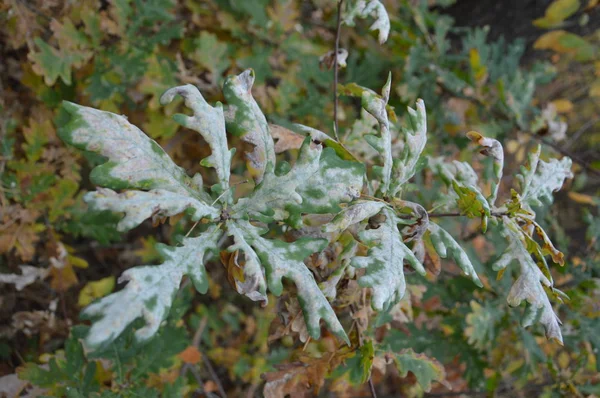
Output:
[[326, 179]]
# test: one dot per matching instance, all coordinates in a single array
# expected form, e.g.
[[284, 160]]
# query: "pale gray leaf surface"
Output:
[[274, 193], [548, 178], [353, 214], [376, 106], [209, 121], [286, 260], [445, 245], [365, 9], [415, 138], [254, 285], [150, 290], [529, 285], [385, 262], [244, 119], [141, 205], [134, 160]]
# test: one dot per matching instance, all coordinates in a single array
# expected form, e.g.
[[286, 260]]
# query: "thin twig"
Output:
[[214, 375], [372, 388], [582, 130], [564, 152], [335, 69], [500, 115]]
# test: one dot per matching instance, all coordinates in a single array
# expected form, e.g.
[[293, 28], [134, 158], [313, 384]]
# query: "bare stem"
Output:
[[335, 69]]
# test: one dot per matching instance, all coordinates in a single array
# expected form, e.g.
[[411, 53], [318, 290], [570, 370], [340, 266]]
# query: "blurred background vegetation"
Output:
[[520, 71]]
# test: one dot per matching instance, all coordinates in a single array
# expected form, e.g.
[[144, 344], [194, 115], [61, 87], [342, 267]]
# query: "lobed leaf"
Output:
[[364, 9], [529, 285], [134, 160], [547, 178], [385, 262], [425, 369], [275, 193], [140, 205], [253, 284], [492, 148], [286, 260], [443, 242], [415, 138], [210, 123], [150, 290], [376, 106], [244, 118]]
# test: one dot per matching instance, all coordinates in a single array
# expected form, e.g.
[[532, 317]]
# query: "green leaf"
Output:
[[481, 330], [370, 8], [245, 119], [210, 53], [134, 160], [443, 242], [210, 123], [140, 205], [361, 363], [425, 369], [529, 285], [150, 290], [385, 262], [53, 63], [472, 203], [286, 260]]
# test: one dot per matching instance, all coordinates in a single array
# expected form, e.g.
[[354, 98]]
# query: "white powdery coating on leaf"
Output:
[[529, 284], [138, 158], [285, 260], [373, 8], [385, 262], [415, 138], [149, 292], [210, 123], [548, 177], [140, 205], [275, 192], [442, 241], [354, 214], [462, 172], [376, 106], [29, 274], [248, 115], [254, 285]]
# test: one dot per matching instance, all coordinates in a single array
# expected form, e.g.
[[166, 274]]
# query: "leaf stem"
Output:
[[335, 69]]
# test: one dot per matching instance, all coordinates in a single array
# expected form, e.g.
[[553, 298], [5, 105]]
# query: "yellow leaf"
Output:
[[550, 41], [557, 12], [583, 198], [77, 262], [94, 290], [595, 88], [591, 4], [563, 105], [480, 71]]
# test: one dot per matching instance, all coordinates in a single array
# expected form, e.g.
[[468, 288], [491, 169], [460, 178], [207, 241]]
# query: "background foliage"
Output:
[[447, 334]]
